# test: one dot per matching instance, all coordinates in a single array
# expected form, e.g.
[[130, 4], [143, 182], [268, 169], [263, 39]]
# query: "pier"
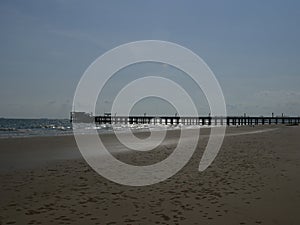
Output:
[[175, 120], [208, 120], [187, 120]]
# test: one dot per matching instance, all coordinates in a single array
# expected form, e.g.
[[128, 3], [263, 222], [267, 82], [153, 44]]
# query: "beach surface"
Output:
[[253, 180]]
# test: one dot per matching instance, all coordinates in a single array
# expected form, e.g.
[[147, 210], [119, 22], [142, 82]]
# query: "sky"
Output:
[[253, 48]]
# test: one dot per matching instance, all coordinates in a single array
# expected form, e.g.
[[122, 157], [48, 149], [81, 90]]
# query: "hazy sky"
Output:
[[253, 47]]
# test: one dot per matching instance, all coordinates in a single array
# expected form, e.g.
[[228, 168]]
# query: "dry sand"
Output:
[[254, 180]]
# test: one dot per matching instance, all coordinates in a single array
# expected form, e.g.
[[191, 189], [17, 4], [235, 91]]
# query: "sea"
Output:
[[34, 127], [13, 128]]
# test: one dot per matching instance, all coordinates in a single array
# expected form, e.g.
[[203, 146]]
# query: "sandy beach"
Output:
[[254, 180]]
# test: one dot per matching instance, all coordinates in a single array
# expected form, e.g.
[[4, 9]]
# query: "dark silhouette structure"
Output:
[[186, 120]]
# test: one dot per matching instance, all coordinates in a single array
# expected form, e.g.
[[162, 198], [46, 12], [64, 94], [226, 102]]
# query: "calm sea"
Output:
[[34, 127]]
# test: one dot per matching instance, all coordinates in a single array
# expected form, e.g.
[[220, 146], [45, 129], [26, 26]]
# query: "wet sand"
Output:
[[254, 180]]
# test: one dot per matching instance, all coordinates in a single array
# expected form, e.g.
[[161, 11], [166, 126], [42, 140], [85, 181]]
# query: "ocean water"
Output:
[[34, 127], [10, 128]]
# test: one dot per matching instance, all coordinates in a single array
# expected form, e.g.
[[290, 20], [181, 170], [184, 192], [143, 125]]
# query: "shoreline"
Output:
[[135, 130], [29, 152], [144, 130]]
